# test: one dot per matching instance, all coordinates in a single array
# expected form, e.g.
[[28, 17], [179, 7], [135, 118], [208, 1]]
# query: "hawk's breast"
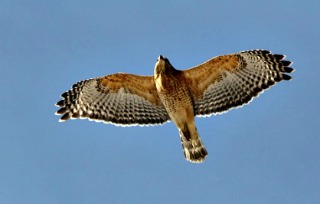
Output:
[[173, 92]]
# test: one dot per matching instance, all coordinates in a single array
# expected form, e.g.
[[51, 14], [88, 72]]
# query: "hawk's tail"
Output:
[[194, 150]]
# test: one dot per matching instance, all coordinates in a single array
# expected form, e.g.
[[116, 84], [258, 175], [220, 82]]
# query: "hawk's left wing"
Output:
[[230, 81], [121, 99]]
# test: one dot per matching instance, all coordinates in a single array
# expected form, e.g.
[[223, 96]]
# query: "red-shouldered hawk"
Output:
[[218, 85]]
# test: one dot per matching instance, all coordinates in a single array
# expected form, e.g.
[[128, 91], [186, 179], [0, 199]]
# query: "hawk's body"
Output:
[[179, 106], [215, 86]]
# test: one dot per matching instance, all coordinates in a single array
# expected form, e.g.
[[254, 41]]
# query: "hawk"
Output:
[[213, 87]]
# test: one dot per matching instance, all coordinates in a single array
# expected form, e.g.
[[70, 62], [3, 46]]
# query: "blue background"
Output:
[[266, 152]]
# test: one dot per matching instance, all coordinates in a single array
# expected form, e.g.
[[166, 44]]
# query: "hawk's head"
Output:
[[162, 65]]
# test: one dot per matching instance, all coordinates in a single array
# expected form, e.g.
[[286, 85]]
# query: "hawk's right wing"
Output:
[[230, 81], [121, 99]]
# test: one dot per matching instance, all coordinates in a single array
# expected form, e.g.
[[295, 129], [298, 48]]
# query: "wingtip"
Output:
[[60, 103], [61, 111], [286, 77], [289, 69], [286, 63]]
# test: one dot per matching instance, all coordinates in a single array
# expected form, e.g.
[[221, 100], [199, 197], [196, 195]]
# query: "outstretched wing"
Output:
[[230, 81], [121, 99]]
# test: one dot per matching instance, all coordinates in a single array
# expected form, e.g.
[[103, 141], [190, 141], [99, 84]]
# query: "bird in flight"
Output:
[[213, 87]]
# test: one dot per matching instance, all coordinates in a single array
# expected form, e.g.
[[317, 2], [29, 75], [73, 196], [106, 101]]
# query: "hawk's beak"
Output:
[[161, 57]]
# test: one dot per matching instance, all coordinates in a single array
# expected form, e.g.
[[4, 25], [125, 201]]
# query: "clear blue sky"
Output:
[[266, 152]]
